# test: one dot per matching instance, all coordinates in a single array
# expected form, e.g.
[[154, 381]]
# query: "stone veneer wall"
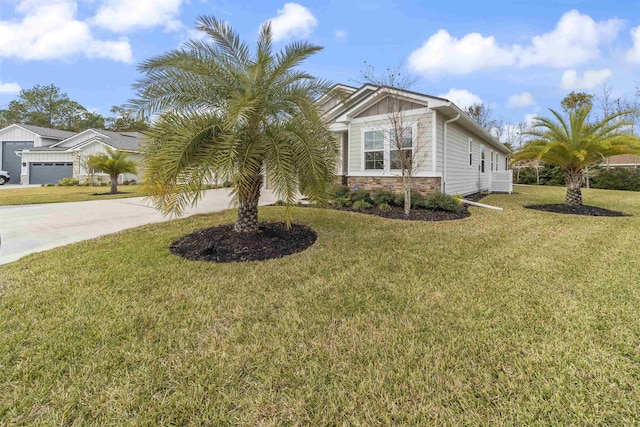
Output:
[[423, 186]]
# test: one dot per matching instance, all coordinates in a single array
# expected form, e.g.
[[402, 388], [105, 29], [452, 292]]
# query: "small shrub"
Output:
[[133, 182], [103, 184], [280, 202], [126, 182], [341, 191], [361, 205], [442, 202], [67, 182], [51, 185], [384, 207], [383, 197], [363, 195], [341, 202], [86, 184], [417, 200]]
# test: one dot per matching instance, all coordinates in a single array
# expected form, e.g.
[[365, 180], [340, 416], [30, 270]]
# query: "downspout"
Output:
[[444, 150]]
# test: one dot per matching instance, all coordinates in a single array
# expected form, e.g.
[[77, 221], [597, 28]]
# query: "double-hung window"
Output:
[[401, 152], [482, 157], [470, 152], [491, 160], [374, 150]]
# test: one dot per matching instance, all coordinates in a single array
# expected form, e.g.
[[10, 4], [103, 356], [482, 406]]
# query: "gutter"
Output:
[[444, 161]]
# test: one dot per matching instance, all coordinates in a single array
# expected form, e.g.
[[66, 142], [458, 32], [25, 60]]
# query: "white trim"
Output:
[[434, 140], [384, 116], [620, 164], [338, 127], [76, 135], [387, 145], [348, 148], [25, 129], [396, 173]]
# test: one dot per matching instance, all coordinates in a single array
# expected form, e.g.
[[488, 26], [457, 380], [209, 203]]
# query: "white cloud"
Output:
[[462, 98], [571, 80], [524, 99], [529, 119], [340, 35], [122, 16], [293, 20], [9, 88], [50, 30], [442, 53], [633, 54], [576, 39]]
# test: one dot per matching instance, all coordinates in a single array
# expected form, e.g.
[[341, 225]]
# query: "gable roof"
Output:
[[47, 132], [345, 112], [126, 141]]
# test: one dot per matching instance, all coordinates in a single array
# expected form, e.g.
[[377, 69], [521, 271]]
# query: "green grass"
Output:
[[35, 195], [518, 317]]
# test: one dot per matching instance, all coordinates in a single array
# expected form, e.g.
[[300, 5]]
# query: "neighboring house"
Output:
[[452, 153], [36, 155], [623, 161]]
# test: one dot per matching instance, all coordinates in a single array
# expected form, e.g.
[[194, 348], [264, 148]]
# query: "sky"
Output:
[[520, 57]]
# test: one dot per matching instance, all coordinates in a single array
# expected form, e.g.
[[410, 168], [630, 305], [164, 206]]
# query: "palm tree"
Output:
[[575, 144], [113, 163], [224, 112]]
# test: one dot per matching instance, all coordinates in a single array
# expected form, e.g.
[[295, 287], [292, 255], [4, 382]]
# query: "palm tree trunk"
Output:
[[574, 194], [114, 184], [247, 220]]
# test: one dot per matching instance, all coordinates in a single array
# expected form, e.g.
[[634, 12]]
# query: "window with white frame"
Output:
[[506, 163], [374, 150], [482, 157], [403, 148], [491, 160], [470, 152], [497, 162], [381, 152]]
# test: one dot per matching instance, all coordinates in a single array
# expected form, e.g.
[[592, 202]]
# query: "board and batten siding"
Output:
[[462, 178], [99, 148], [422, 142]]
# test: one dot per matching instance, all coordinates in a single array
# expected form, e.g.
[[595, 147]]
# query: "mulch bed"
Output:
[[107, 194], [222, 244], [416, 214], [577, 210]]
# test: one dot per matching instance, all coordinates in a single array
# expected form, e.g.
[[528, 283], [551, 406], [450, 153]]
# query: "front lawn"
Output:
[[56, 194], [518, 317]]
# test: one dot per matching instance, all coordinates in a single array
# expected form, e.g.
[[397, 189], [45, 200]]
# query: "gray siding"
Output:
[[462, 178], [384, 107]]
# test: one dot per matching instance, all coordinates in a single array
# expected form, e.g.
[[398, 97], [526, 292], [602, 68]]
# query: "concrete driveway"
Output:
[[33, 228]]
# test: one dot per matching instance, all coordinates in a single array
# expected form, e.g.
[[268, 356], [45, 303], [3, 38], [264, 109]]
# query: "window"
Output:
[[482, 156], [470, 152], [492, 160], [404, 148], [506, 164], [381, 152], [374, 150]]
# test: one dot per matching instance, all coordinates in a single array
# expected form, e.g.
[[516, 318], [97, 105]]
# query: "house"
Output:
[[38, 155], [450, 152], [623, 161]]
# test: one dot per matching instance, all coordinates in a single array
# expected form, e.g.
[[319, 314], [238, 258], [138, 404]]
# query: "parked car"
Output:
[[4, 177]]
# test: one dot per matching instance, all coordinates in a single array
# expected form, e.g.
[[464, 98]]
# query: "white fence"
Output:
[[502, 182]]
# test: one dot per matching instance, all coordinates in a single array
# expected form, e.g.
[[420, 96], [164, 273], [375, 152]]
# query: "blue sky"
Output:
[[520, 57]]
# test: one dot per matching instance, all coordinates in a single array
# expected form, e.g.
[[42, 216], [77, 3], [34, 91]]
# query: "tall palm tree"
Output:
[[113, 163], [574, 144], [224, 111]]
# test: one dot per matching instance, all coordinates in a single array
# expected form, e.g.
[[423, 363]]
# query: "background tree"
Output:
[[576, 101], [225, 111], [404, 153], [48, 106], [113, 163], [574, 143], [483, 115], [125, 120]]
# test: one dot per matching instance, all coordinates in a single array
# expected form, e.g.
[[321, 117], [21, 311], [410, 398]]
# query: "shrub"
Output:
[[617, 179], [341, 202], [361, 205], [103, 184], [133, 182], [384, 207], [363, 195], [417, 200], [442, 202], [67, 182], [549, 175], [341, 191], [383, 197], [126, 182], [280, 202], [51, 185]]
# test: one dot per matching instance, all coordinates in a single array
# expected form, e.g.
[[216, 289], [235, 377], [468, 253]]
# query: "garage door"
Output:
[[11, 161], [49, 173]]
